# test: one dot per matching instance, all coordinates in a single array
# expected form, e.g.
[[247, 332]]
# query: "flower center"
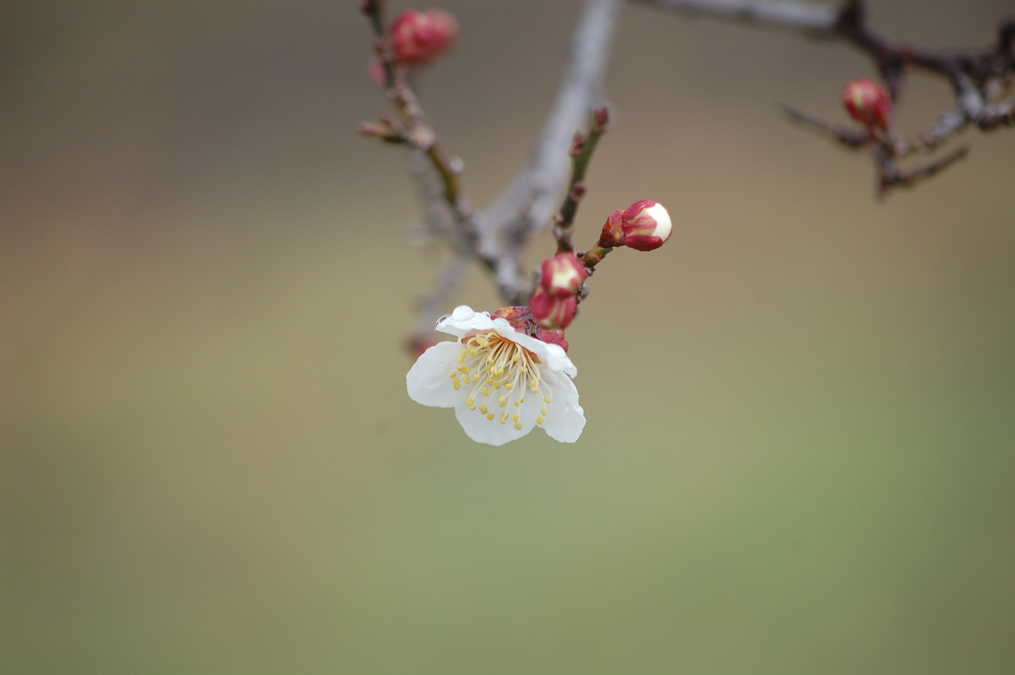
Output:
[[501, 373]]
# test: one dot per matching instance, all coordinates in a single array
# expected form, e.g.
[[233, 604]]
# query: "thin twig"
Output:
[[891, 176], [582, 147], [411, 129], [851, 138], [971, 73]]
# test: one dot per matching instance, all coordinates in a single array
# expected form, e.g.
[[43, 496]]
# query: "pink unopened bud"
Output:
[[868, 103], [552, 311], [418, 37], [643, 226], [563, 274]]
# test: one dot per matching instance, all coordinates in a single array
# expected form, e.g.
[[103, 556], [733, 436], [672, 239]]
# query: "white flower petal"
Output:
[[565, 419], [427, 381], [491, 432], [553, 356]]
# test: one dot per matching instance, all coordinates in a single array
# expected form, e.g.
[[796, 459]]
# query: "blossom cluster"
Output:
[[509, 373]]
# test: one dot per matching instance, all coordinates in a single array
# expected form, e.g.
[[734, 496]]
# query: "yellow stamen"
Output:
[[489, 363]]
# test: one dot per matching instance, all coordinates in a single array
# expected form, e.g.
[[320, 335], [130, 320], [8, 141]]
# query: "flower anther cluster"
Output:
[[554, 304], [419, 37], [643, 226], [501, 380], [868, 103]]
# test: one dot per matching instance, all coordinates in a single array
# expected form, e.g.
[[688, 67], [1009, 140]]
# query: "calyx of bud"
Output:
[[518, 316], [563, 274], [643, 226], [552, 311], [553, 337], [868, 103], [419, 37]]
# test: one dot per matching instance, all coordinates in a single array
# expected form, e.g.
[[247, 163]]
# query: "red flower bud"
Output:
[[563, 274], [643, 226], [418, 37], [552, 311], [867, 103]]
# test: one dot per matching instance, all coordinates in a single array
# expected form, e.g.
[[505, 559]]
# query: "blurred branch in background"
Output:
[[979, 80], [978, 77], [498, 237], [532, 197], [806, 16]]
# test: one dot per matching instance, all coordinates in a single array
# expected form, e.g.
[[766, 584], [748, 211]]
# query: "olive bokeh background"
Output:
[[801, 411]]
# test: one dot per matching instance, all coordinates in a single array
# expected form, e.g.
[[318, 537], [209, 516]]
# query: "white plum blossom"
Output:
[[500, 382]]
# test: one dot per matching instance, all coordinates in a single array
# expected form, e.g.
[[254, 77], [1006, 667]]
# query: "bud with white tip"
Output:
[[563, 274], [643, 226]]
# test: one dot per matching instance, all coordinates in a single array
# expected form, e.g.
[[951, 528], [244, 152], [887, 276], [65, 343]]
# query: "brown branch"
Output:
[[495, 241], [973, 74], [411, 129], [847, 136], [849, 22], [962, 68], [892, 176]]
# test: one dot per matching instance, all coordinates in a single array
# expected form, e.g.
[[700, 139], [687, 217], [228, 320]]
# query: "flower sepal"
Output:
[[553, 311]]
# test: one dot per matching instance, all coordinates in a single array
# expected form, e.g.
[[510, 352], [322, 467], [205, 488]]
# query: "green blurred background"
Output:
[[801, 411]]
